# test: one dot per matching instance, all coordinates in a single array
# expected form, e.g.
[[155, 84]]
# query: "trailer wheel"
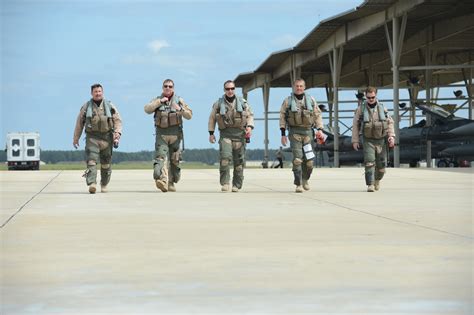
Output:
[[442, 163]]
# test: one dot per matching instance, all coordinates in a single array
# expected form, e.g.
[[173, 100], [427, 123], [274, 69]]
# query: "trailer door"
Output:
[[32, 149], [15, 153]]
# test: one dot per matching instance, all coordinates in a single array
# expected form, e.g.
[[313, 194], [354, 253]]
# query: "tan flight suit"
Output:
[[232, 143], [100, 134], [300, 124], [376, 128], [169, 133]]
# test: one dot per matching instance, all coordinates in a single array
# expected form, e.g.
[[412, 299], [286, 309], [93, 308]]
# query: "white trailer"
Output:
[[23, 150]]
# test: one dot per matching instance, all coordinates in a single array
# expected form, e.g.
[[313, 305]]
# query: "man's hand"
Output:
[[116, 139], [284, 140], [319, 135], [117, 136], [164, 99], [355, 146], [75, 143], [391, 142], [176, 107], [248, 132], [212, 139]]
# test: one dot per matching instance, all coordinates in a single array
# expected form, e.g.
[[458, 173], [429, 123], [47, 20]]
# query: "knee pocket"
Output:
[[175, 157], [236, 145], [104, 166], [382, 170], [369, 164], [309, 164], [297, 161], [225, 162], [239, 168], [91, 163]]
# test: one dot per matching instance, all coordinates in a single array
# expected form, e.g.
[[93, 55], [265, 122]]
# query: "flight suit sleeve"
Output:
[[116, 119], [152, 105], [355, 125], [186, 111], [390, 129], [211, 126], [318, 116], [250, 121], [283, 110], [80, 122]]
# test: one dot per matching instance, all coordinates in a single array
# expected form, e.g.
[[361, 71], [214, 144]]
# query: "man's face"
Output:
[[371, 97], [229, 89], [97, 94], [168, 88], [299, 87]]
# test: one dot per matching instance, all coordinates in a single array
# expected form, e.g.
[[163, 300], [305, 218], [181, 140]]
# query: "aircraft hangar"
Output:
[[417, 45]]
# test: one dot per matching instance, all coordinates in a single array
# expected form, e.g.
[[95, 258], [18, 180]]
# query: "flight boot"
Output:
[[103, 188], [377, 184], [225, 188], [306, 185], [92, 188], [161, 185], [171, 187]]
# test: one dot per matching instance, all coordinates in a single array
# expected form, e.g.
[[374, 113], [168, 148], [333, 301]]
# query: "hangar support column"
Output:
[[395, 47], [335, 61], [266, 98]]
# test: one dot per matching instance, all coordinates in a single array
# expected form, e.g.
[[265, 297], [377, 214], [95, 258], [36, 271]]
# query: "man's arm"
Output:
[[356, 128], [152, 105], [283, 110], [317, 117], [390, 130], [117, 119], [250, 120], [186, 112], [211, 125], [79, 126]]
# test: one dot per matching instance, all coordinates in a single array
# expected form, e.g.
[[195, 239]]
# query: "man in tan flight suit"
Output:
[[103, 127], [300, 114], [234, 118], [372, 120], [169, 111]]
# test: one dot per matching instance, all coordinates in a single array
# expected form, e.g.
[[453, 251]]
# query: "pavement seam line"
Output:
[[377, 215], [27, 202], [391, 219]]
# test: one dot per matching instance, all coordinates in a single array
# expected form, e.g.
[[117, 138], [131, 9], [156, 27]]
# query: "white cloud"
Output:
[[157, 44]]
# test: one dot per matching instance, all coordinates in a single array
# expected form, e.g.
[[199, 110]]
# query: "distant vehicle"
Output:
[[23, 150]]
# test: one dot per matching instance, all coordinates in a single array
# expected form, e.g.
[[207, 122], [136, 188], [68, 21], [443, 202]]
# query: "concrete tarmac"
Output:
[[407, 249]]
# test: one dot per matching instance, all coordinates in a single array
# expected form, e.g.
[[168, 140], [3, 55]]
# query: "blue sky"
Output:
[[53, 50]]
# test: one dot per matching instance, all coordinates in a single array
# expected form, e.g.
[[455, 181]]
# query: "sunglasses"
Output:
[[231, 88], [168, 86], [370, 98]]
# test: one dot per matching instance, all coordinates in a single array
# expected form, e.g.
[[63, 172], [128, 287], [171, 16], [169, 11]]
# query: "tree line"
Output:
[[208, 156]]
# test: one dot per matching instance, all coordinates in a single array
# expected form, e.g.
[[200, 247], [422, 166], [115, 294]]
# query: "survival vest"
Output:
[[232, 117], [166, 116], [300, 116], [98, 120], [374, 128]]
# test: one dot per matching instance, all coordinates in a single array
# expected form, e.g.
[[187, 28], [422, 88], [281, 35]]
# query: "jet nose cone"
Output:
[[463, 131]]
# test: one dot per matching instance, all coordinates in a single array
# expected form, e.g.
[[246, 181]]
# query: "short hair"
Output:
[[168, 80], [228, 81], [96, 85], [299, 80], [371, 89]]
